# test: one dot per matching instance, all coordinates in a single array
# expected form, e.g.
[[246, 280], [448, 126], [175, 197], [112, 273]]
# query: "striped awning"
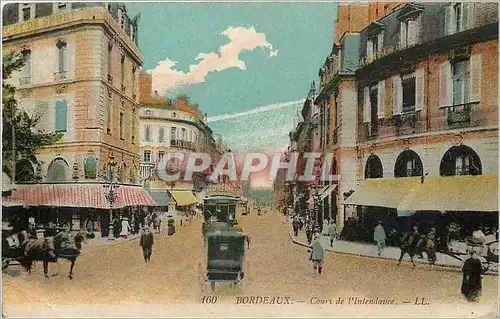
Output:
[[184, 198], [90, 195]]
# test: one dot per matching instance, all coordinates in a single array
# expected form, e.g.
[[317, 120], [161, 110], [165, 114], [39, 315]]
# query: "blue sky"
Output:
[[256, 60]]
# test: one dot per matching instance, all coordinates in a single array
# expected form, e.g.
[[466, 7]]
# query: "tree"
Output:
[[28, 140]]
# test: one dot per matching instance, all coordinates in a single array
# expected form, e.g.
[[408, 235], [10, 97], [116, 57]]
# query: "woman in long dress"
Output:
[[125, 228], [325, 230]]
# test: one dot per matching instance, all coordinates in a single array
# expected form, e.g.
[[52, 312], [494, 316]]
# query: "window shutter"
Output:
[[445, 84], [419, 89], [475, 77], [411, 32], [380, 41], [369, 49], [449, 24], [470, 14], [402, 35], [465, 16], [61, 115], [381, 99], [366, 105]]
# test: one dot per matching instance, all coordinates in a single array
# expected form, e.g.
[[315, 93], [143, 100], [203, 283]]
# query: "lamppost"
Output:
[[111, 194]]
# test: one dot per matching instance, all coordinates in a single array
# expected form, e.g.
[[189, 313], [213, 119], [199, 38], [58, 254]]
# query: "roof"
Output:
[[88, 195], [184, 198]]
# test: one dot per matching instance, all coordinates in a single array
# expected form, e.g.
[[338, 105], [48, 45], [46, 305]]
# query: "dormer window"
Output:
[[26, 12], [410, 20], [375, 43], [459, 17]]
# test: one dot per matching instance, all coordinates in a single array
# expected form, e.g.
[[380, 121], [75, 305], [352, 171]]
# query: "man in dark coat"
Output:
[[116, 228], [146, 243], [295, 225], [472, 280], [309, 232], [409, 245]]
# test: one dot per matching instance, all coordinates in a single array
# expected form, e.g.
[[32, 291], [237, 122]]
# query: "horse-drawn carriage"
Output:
[[485, 246], [225, 261]]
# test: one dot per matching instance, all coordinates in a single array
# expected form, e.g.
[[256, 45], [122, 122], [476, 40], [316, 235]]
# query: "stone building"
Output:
[[80, 78], [171, 126], [411, 90]]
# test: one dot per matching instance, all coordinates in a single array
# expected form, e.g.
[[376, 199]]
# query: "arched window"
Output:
[[24, 171], [183, 134], [90, 167], [373, 167], [58, 171], [460, 160], [408, 164]]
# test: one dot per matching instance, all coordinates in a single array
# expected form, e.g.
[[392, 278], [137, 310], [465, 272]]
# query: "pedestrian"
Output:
[[309, 233], [408, 245], [125, 228], [432, 242], [325, 229], [116, 228], [295, 226], [317, 255], [472, 280], [379, 237], [332, 229], [146, 244]]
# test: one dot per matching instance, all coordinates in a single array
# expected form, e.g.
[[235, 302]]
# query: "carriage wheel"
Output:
[[5, 263]]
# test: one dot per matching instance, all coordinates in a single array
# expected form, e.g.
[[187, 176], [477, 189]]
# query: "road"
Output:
[[117, 278]]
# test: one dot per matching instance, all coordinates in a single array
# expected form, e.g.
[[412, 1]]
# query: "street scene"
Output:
[[255, 160]]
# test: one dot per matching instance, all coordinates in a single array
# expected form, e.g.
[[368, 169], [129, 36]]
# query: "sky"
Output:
[[249, 66]]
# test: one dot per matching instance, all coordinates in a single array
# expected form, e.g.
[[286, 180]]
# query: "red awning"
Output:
[[80, 195]]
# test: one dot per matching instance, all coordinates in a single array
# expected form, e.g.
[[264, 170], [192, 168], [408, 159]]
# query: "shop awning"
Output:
[[83, 195], [160, 196], [454, 193], [184, 198], [327, 191], [7, 202], [383, 192]]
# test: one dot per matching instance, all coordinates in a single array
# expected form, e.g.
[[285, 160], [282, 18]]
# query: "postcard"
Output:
[[250, 159]]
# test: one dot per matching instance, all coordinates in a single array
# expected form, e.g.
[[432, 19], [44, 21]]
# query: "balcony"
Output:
[[25, 80], [183, 144], [409, 118], [60, 76], [371, 130], [459, 115], [147, 170]]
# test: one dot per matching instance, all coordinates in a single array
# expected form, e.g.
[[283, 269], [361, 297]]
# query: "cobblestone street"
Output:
[[116, 275]]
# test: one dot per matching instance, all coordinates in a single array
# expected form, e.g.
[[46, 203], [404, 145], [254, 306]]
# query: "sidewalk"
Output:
[[101, 242], [389, 253]]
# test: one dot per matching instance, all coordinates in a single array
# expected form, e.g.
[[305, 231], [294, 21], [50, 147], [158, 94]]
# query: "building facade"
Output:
[[80, 78]]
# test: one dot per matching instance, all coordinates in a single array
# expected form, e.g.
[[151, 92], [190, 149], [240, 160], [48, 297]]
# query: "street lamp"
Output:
[[111, 196]]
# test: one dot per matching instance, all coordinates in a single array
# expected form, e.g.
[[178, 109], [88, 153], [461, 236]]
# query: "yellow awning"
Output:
[[184, 198], [454, 193], [383, 192]]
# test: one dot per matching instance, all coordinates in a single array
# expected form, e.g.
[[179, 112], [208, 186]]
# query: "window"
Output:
[[408, 164], [110, 115], [61, 56], [120, 17], [457, 11], [461, 75], [110, 58], [58, 171], [134, 68], [409, 32], [183, 134], [373, 167], [122, 69], [26, 12], [147, 133], [173, 133], [90, 167], [408, 83], [160, 155], [174, 114], [121, 124], [26, 71], [147, 156], [161, 135], [61, 6], [61, 115], [132, 129], [374, 105], [374, 45], [460, 160]]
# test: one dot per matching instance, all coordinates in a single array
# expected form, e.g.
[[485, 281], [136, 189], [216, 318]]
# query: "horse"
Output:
[[50, 249]]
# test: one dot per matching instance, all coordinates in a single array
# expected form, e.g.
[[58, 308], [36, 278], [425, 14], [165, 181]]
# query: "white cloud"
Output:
[[166, 77], [257, 110]]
